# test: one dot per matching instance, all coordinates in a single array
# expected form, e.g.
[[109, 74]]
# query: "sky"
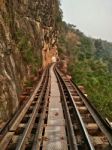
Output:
[[92, 17]]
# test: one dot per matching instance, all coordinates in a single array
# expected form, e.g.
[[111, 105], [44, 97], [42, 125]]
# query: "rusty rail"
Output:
[[85, 128], [19, 130], [95, 134]]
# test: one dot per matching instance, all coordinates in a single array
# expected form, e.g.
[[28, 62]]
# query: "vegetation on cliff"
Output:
[[90, 64], [28, 32]]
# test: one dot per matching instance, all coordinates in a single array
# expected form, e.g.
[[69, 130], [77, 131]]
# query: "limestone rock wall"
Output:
[[28, 37]]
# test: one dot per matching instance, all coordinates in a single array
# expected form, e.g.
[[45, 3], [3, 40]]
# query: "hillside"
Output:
[[29, 32], [90, 65]]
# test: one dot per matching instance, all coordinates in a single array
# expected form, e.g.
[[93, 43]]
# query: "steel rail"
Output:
[[13, 124], [40, 128], [97, 117], [23, 139], [11, 121], [70, 131], [84, 130]]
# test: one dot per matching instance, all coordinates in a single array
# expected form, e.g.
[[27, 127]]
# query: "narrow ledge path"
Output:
[[55, 129]]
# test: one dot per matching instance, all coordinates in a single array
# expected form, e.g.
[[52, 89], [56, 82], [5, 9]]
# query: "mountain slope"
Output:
[[90, 65]]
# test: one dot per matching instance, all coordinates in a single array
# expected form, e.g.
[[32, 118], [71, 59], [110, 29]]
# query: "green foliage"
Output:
[[27, 51], [90, 65], [28, 56], [29, 83], [93, 74], [57, 14]]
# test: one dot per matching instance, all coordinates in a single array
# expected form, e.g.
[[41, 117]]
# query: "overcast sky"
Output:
[[92, 17]]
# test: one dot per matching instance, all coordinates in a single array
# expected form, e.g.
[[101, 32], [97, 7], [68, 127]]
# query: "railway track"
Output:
[[57, 116], [28, 123], [84, 123]]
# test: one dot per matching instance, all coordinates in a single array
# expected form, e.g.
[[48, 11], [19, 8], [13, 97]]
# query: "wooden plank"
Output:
[[55, 133], [56, 138]]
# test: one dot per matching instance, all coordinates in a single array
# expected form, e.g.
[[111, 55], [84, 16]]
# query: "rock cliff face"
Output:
[[28, 34]]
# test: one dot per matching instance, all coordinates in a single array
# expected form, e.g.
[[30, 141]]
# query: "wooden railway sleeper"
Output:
[[92, 128]]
